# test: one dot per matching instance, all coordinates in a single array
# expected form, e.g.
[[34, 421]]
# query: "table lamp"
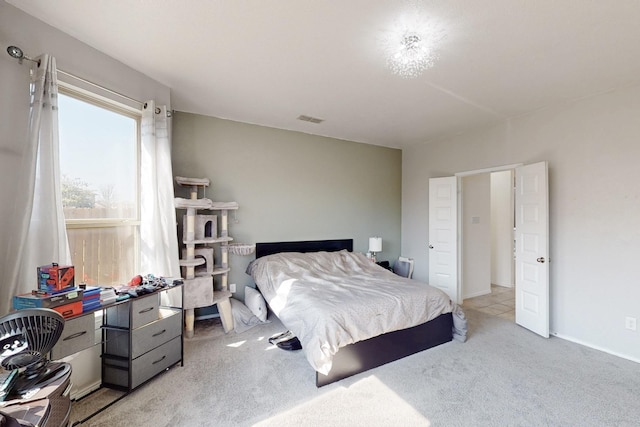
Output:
[[375, 245]]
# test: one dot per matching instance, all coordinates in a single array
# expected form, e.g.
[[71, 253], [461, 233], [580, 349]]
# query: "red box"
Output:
[[55, 278], [69, 310]]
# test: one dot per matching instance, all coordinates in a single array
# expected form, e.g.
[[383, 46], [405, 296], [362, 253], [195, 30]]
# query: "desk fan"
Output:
[[26, 337]]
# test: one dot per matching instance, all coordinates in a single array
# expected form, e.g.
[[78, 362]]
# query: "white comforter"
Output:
[[332, 299]]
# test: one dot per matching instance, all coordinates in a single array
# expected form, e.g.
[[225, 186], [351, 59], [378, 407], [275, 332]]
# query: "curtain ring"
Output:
[[158, 110]]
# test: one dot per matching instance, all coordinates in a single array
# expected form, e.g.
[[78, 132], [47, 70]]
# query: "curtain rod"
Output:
[[17, 53], [113, 92]]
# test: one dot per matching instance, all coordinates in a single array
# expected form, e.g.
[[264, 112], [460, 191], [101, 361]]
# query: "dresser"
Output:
[[142, 338]]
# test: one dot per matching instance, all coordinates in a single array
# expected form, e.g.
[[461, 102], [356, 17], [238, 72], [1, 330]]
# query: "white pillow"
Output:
[[254, 300]]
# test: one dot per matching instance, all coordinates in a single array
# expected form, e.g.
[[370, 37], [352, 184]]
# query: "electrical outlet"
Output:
[[630, 323], [232, 288]]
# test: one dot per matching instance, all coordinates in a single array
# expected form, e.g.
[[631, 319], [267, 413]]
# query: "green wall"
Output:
[[291, 185]]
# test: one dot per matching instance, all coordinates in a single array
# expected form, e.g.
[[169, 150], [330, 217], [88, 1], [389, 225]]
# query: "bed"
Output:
[[350, 314]]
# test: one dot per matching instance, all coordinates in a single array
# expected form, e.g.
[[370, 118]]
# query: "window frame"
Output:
[[96, 99]]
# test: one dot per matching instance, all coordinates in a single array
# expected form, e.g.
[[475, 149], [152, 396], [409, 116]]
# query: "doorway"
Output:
[[531, 235], [487, 242]]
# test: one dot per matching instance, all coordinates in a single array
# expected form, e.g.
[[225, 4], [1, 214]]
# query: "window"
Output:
[[99, 168]]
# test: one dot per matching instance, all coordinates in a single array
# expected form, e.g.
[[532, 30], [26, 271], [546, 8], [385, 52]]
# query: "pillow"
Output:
[[254, 300], [243, 318]]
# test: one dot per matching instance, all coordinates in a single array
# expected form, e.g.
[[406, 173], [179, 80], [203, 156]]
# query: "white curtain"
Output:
[[159, 248], [42, 235]]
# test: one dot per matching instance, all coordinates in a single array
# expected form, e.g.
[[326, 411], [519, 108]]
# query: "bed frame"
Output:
[[377, 351]]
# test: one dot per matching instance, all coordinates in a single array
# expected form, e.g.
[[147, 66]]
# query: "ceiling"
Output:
[[269, 61]]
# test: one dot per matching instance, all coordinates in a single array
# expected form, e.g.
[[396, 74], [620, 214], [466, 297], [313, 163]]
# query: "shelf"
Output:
[[181, 203], [204, 204], [241, 249], [224, 206], [190, 182], [220, 270], [208, 241], [220, 296], [216, 271], [192, 262]]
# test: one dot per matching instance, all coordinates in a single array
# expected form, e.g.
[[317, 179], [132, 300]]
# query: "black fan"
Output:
[[26, 338]]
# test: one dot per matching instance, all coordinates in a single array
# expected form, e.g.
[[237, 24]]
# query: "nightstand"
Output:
[[384, 264]]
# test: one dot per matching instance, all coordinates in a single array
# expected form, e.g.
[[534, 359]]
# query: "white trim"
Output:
[[476, 294], [489, 170], [96, 92], [604, 350]]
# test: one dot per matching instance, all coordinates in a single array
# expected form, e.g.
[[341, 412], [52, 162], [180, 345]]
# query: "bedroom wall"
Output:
[[592, 149], [292, 185]]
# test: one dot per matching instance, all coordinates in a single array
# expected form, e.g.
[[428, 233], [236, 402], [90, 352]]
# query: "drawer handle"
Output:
[[159, 333], [76, 335], [159, 360], [145, 310]]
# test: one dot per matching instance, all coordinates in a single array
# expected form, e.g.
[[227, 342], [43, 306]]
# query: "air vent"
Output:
[[310, 119]]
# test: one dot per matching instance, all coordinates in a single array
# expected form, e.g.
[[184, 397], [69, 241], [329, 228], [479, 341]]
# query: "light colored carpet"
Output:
[[503, 375]]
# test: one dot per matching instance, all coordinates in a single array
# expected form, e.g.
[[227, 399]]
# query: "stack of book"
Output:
[[108, 296], [67, 302], [91, 298]]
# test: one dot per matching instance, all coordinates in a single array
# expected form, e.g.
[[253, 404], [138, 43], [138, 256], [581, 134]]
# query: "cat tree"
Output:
[[200, 238]]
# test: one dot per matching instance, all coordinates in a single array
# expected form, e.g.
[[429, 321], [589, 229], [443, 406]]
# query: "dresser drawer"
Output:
[[156, 361], [156, 333], [79, 334], [145, 338], [143, 311], [116, 372]]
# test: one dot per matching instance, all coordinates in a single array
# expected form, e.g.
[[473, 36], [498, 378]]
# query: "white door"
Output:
[[532, 248], [443, 235]]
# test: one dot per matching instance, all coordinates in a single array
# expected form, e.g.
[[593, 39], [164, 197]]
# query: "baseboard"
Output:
[[510, 285], [595, 347], [477, 294]]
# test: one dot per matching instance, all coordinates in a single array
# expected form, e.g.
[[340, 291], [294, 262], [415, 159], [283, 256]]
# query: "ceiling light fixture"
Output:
[[410, 47]]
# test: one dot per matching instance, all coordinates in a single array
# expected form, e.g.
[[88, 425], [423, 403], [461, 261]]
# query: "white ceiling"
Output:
[[269, 61]]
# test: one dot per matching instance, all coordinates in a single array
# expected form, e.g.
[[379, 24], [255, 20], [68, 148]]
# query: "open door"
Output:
[[532, 248], [443, 235]]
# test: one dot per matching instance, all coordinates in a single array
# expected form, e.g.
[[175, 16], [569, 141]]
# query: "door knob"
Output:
[[430, 246], [541, 260]]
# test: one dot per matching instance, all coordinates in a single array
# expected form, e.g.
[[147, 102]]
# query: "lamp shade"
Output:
[[375, 244]]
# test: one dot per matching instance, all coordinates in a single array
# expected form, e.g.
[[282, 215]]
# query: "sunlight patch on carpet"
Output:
[[384, 407]]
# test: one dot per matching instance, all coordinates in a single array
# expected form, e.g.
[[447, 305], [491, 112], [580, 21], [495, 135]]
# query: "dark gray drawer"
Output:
[[143, 311], [115, 371], [79, 334], [145, 338], [156, 333], [156, 361]]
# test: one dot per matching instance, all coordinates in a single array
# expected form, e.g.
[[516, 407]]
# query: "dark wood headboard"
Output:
[[264, 249]]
